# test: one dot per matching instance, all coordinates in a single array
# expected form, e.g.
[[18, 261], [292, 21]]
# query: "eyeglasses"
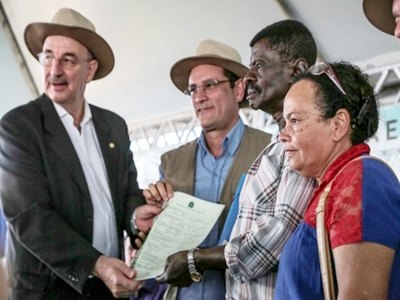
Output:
[[324, 68], [67, 62], [206, 87]]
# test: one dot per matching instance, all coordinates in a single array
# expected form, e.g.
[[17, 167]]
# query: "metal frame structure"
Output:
[[180, 128], [9, 34], [386, 83]]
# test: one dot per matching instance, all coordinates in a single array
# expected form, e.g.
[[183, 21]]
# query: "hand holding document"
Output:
[[183, 224]]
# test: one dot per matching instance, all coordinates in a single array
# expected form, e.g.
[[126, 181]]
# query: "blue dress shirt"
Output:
[[210, 177]]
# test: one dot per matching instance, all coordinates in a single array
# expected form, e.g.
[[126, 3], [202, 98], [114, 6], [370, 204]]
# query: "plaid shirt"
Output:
[[271, 204]]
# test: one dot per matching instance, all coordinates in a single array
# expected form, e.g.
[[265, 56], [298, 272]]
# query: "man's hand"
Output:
[[131, 251], [158, 193], [145, 215], [140, 239], [117, 276], [176, 270]]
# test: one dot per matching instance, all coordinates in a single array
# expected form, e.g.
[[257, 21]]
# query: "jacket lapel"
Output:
[[108, 148], [59, 141]]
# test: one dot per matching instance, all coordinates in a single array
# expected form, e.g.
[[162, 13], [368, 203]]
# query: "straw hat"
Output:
[[209, 52], [379, 13], [70, 23]]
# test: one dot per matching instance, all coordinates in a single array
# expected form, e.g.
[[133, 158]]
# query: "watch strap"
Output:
[[194, 274]]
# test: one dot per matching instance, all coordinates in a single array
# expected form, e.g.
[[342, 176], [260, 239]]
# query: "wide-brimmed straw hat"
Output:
[[68, 22], [209, 52], [379, 13]]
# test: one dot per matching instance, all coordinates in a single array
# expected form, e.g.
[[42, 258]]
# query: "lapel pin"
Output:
[[111, 145]]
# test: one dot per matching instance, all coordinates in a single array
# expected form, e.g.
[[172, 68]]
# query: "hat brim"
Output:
[[36, 33], [379, 13], [180, 71]]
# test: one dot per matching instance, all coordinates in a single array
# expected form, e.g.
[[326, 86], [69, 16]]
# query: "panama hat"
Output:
[[68, 22], [379, 13], [209, 52]]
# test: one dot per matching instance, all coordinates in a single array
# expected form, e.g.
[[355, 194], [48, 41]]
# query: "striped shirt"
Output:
[[271, 205]]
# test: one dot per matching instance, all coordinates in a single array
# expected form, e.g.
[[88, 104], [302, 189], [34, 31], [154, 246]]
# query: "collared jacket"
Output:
[[46, 199]]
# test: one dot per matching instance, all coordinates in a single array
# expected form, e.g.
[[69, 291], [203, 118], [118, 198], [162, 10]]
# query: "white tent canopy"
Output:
[[149, 36]]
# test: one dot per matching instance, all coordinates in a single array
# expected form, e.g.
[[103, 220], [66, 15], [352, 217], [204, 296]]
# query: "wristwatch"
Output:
[[194, 274], [134, 228]]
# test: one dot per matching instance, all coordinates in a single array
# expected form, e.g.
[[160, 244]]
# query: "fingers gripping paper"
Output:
[[183, 224]]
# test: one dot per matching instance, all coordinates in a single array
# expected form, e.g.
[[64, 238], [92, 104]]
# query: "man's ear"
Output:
[[299, 66], [240, 90], [93, 65]]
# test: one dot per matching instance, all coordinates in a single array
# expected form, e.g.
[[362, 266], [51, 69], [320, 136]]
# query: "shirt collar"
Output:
[[342, 160], [87, 113], [232, 140]]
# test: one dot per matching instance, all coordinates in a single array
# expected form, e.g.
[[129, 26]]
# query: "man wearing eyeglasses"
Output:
[[68, 180], [210, 166], [273, 198], [384, 15]]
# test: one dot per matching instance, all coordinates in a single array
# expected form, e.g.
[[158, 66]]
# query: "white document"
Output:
[[183, 224]]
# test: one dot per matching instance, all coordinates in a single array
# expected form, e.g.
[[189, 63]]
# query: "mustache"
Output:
[[253, 88], [57, 80]]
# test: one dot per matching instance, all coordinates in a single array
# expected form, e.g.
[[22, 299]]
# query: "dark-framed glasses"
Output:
[[67, 62], [324, 68], [206, 87]]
